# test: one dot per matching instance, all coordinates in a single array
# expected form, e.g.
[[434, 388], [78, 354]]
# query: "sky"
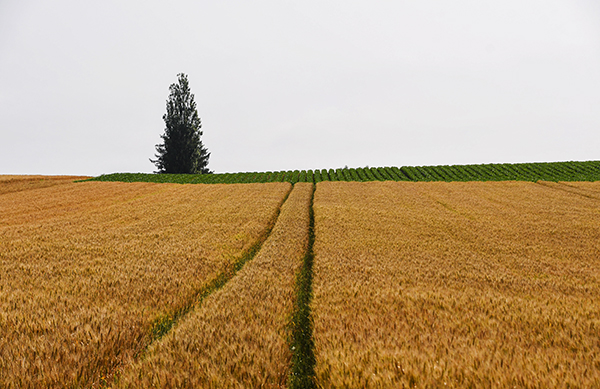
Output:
[[285, 85]]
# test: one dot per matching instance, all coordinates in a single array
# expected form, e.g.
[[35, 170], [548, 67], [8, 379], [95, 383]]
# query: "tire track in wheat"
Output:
[[239, 337]]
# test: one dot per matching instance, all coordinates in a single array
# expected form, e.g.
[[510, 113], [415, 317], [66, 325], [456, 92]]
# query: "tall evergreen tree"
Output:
[[182, 150]]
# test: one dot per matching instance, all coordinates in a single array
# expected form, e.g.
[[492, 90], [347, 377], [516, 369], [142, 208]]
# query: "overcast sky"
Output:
[[299, 84]]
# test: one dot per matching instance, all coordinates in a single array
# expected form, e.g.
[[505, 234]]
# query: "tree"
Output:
[[182, 150]]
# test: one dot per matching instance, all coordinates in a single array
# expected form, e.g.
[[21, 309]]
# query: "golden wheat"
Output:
[[16, 183], [238, 337], [585, 189], [87, 267], [492, 284]]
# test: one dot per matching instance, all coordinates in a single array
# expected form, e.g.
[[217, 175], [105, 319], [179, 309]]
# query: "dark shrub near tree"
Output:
[[181, 151]]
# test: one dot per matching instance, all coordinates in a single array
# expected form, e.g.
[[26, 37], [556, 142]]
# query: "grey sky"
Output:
[[300, 84]]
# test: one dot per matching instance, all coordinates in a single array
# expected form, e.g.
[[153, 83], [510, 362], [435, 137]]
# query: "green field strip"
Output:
[[302, 176], [449, 173], [353, 175], [340, 176], [385, 173], [331, 174], [556, 171], [324, 175], [317, 176], [538, 171], [378, 173], [369, 174], [436, 171], [412, 173], [302, 374], [399, 174], [361, 174], [467, 173], [421, 173]]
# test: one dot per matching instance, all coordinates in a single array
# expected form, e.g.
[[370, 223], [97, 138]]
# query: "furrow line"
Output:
[[567, 189], [301, 342], [166, 323]]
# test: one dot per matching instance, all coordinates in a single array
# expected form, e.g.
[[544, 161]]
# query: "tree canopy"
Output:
[[181, 151]]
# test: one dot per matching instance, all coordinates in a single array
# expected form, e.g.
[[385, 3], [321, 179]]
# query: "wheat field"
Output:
[[87, 268], [415, 284], [493, 284], [238, 338], [19, 183]]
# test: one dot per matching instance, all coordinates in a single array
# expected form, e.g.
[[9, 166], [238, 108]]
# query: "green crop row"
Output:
[[540, 171]]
